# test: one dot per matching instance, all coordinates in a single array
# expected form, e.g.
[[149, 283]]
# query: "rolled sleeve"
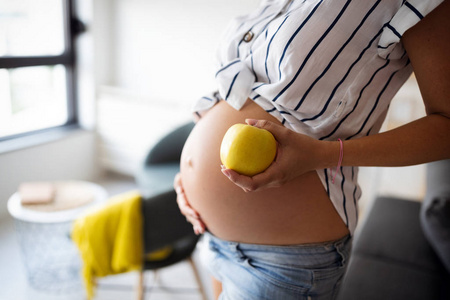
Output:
[[408, 15]]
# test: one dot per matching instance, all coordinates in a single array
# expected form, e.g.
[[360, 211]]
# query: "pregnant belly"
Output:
[[298, 212]]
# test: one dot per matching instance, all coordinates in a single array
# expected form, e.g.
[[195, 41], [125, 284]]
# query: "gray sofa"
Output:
[[402, 250]]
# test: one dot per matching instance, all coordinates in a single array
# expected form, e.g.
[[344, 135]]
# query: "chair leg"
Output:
[[156, 276], [140, 286], [197, 278]]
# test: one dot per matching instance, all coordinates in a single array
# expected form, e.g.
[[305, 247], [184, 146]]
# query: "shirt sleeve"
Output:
[[205, 103], [408, 15], [235, 81]]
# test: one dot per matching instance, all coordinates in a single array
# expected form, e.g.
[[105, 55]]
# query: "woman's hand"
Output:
[[296, 154], [191, 215]]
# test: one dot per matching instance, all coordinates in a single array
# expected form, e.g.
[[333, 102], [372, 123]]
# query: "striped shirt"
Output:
[[325, 68]]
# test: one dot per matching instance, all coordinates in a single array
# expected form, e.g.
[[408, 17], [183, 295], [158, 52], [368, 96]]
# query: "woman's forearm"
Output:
[[424, 140]]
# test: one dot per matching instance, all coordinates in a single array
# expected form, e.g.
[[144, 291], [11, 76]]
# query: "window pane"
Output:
[[32, 98], [31, 28]]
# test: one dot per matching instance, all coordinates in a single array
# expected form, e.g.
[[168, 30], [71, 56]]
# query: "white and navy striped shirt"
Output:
[[325, 68]]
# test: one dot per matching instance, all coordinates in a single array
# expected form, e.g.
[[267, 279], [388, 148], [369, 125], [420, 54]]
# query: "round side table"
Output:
[[51, 259]]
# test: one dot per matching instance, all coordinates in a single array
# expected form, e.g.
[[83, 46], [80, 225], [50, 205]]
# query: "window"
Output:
[[37, 73]]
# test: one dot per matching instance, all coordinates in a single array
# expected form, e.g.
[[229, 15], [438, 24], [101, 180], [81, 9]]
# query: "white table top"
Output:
[[20, 212]]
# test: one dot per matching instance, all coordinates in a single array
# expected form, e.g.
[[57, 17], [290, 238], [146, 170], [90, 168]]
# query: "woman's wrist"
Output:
[[329, 154]]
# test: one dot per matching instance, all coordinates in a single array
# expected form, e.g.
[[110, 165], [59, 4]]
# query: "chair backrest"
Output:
[[163, 223], [169, 148]]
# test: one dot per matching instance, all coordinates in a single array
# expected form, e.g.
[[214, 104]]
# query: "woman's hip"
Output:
[[251, 271]]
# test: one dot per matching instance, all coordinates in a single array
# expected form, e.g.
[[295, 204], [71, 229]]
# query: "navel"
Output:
[[189, 161]]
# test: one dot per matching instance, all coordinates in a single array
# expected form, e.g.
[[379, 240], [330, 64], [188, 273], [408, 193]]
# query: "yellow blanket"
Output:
[[110, 238]]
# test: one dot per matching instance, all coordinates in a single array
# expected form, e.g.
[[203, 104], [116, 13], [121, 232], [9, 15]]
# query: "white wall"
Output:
[[165, 49], [72, 157]]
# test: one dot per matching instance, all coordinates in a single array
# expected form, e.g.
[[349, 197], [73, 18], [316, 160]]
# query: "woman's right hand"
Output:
[[191, 215]]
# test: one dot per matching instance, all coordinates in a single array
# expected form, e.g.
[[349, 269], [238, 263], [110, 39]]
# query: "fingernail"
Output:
[[198, 229], [201, 230], [226, 173], [251, 122]]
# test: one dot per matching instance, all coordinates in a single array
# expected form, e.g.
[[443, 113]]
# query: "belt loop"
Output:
[[239, 253], [343, 247]]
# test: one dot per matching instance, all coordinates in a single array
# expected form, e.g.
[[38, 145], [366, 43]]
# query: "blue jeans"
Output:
[[251, 271]]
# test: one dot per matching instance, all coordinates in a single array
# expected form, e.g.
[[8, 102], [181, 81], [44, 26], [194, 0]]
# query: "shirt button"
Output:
[[248, 36]]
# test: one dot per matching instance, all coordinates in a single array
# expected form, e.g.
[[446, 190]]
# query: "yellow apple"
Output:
[[247, 150]]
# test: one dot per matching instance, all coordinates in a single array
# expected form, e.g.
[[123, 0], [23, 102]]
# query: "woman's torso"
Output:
[[296, 213], [327, 69]]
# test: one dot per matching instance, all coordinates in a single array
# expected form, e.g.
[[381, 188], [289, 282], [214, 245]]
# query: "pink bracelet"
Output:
[[341, 156]]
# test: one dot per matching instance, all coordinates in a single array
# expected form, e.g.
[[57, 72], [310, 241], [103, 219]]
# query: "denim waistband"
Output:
[[304, 255]]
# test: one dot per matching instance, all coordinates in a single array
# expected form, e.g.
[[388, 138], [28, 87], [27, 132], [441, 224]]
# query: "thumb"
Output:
[[274, 128]]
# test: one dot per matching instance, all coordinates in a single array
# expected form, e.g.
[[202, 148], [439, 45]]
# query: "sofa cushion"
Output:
[[391, 258], [371, 278], [435, 211], [392, 232]]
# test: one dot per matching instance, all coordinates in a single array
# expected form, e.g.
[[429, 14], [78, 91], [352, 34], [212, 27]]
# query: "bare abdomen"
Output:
[[296, 213]]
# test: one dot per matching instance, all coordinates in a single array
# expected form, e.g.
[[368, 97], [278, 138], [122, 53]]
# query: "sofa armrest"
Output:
[[435, 212]]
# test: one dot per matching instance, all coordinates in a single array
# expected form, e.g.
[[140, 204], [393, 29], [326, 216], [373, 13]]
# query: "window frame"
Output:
[[72, 27]]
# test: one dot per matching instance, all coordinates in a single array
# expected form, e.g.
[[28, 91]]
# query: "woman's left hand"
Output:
[[296, 154]]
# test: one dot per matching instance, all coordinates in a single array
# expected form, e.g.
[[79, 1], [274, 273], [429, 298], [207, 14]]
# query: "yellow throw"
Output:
[[109, 238]]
